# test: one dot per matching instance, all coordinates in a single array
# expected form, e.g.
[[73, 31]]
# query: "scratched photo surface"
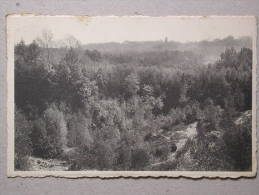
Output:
[[131, 96]]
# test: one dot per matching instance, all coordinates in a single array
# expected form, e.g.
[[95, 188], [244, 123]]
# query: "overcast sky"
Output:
[[138, 28]]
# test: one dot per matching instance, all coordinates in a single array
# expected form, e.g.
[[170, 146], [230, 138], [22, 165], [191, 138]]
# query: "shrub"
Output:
[[209, 155], [49, 135], [123, 158], [56, 130], [105, 156], [39, 139], [99, 156], [162, 152], [22, 141], [238, 140], [140, 158], [131, 85], [78, 131]]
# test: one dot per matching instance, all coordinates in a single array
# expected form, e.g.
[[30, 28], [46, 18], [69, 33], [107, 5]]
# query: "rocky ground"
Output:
[[39, 164]]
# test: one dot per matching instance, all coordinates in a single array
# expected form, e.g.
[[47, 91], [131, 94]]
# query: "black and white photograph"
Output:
[[131, 96]]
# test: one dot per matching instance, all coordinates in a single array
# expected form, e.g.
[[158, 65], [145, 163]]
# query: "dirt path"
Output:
[[181, 138]]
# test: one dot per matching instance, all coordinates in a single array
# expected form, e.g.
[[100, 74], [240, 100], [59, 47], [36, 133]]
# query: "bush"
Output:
[[39, 139], [209, 155], [123, 159], [49, 135], [140, 158], [78, 131], [162, 152], [238, 140], [56, 130], [105, 156], [83, 159], [99, 156], [23, 145]]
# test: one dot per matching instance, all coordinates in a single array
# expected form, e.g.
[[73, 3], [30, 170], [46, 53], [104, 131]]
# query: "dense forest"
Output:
[[160, 109]]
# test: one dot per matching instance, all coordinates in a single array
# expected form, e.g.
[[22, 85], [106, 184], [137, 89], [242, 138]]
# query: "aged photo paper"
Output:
[[131, 96]]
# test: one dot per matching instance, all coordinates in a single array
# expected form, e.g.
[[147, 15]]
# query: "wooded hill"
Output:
[[109, 110]]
